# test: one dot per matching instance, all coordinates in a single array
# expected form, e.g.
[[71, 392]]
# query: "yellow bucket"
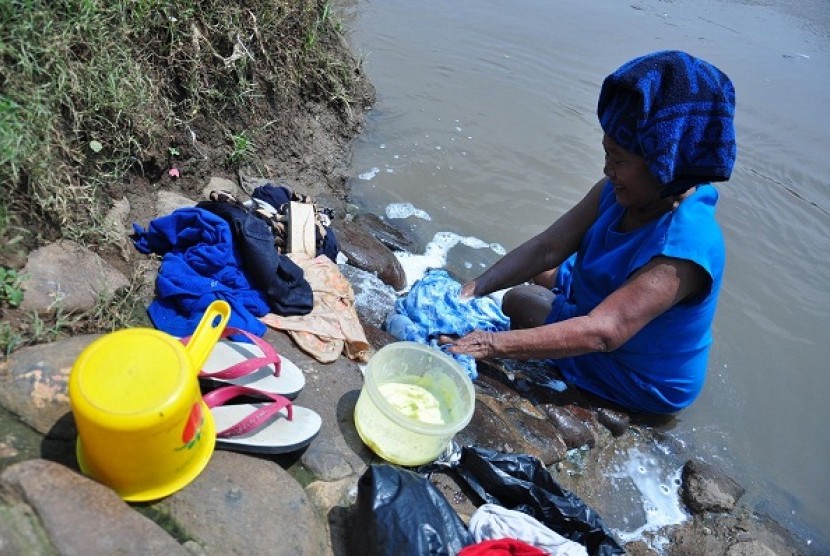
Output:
[[143, 429]]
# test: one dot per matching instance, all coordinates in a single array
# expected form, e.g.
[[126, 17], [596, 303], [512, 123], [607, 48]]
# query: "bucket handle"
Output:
[[208, 332]]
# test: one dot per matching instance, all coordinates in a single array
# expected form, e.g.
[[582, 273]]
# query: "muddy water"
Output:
[[485, 123]]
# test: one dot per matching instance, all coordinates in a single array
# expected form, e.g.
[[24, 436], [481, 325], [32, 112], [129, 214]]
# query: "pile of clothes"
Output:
[[227, 249]]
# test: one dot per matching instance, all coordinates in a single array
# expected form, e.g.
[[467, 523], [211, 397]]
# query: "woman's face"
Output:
[[634, 185]]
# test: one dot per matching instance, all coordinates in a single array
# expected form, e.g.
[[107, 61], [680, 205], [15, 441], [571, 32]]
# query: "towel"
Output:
[[677, 112]]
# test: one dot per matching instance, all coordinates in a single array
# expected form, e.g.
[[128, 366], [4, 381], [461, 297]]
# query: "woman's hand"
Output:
[[468, 291], [478, 344]]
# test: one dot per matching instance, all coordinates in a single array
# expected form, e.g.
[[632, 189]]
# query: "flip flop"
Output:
[[256, 365], [273, 427]]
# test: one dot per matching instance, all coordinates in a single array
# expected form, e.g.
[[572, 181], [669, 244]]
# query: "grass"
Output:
[[94, 88], [243, 149], [11, 286], [93, 91]]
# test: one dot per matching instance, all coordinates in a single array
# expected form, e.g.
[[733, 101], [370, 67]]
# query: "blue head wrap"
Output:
[[677, 112]]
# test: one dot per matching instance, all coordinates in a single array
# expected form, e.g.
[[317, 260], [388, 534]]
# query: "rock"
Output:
[[53, 279], [546, 441], [376, 337], [220, 184], [367, 253], [491, 428], [386, 233], [615, 421], [20, 530], [168, 201], [749, 548], [33, 384], [81, 516], [530, 425], [245, 505], [707, 489], [331, 390], [373, 300], [574, 432], [639, 548], [115, 227], [334, 500]]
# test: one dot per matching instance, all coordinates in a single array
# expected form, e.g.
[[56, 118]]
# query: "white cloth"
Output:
[[491, 521]]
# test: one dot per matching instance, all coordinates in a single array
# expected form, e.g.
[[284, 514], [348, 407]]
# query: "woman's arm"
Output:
[[542, 252], [652, 290]]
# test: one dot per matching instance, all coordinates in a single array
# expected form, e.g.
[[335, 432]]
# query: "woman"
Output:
[[638, 262]]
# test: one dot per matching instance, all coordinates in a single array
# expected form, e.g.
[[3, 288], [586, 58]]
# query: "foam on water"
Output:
[[405, 210], [435, 254], [658, 490], [366, 176]]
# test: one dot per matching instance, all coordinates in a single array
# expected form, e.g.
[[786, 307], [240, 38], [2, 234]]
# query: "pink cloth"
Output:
[[332, 326]]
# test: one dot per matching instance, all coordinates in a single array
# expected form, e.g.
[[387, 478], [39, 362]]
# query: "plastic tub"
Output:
[[396, 435]]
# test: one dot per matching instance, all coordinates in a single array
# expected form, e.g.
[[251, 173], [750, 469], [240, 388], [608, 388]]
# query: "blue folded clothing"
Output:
[[677, 112], [199, 265]]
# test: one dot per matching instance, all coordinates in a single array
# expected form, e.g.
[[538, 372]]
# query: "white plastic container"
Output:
[[397, 436]]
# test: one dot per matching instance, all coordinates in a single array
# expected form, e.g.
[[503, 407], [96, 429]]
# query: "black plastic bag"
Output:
[[400, 513], [521, 482]]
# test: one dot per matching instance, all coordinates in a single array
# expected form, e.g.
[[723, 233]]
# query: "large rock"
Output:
[[364, 251], [331, 390], [20, 530], [707, 489], [168, 201], [373, 300], [245, 505], [54, 279], [334, 501], [83, 517], [33, 384], [387, 234]]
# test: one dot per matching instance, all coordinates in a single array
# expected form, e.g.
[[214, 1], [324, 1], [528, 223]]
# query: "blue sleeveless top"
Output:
[[661, 369]]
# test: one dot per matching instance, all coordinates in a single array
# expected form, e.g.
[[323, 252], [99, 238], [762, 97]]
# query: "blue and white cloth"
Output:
[[432, 308]]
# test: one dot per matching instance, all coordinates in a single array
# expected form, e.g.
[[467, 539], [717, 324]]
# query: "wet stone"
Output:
[[545, 440], [386, 233], [367, 253], [373, 300], [574, 432], [706, 489], [615, 421]]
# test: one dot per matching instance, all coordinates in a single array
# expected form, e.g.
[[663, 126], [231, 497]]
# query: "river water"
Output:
[[485, 131]]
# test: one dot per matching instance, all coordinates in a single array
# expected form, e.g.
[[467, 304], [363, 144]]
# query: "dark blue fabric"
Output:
[[274, 195], [328, 246], [199, 265], [677, 112], [278, 277]]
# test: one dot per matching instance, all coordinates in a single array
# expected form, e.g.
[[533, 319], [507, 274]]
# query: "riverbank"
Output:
[[309, 496]]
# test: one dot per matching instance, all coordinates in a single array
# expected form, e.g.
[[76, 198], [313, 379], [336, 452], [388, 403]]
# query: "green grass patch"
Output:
[[92, 89]]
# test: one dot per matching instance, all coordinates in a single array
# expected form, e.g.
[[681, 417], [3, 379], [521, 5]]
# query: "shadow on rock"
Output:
[[58, 444], [345, 421]]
